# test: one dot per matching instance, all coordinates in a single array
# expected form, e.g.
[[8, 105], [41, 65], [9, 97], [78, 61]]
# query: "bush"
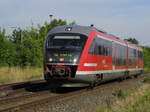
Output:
[[146, 79], [120, 93]]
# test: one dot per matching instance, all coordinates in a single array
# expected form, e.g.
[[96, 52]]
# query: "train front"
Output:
[[63, 49]]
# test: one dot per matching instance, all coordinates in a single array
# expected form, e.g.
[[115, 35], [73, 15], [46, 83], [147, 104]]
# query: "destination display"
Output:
[[63, 55]]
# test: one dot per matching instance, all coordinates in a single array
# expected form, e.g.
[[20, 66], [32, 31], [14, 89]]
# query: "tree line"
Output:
[[24, 47]]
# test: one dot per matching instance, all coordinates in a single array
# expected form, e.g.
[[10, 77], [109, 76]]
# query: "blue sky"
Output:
[[124, 18]]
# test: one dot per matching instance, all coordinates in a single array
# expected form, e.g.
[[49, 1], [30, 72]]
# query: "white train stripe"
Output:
[[104, 71], [90, 64]]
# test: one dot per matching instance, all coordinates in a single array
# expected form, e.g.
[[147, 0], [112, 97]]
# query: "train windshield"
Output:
[[66, 41]]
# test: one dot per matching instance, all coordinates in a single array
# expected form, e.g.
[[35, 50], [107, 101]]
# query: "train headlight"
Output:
[[75, 60], [50, 59]]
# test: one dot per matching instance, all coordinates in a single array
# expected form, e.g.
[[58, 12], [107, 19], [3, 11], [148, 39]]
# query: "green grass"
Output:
[[147, 80], [146, 70], [102, 108], [17, 74], [120, 93], [136, 101], [142, 104]]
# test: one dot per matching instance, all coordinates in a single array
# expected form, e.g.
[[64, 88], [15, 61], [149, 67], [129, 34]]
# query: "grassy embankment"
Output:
[[146, 70], [17, 74], [136, 101]]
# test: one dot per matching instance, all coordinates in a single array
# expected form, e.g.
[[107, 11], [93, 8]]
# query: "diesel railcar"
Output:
[[80, 55]]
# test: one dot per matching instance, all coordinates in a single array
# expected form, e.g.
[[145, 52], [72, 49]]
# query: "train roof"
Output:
[[85, 30], [122, 42]]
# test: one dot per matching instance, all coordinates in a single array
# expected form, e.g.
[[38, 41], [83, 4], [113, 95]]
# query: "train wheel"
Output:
[[91, 85], [126, 75], [121, 79], [136, 76]]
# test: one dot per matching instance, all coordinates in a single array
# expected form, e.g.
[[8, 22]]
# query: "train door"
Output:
[[113, 56], [127, 57]]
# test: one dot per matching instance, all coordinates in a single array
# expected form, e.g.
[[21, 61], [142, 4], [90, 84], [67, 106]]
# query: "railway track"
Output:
[[17, 94], [18, 88], [21, 102], [24, 99], [27, 103], [9, 85]]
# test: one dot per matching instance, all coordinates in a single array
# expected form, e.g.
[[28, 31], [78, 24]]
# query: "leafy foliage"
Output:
[[147, 79], [146, 50], [120, 93], [132, 40], [25, 46]]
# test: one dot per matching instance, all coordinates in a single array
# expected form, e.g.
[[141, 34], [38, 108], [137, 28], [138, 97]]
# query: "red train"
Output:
[[80, 55]]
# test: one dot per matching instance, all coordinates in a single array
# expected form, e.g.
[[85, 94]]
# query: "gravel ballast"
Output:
[[88, 101]]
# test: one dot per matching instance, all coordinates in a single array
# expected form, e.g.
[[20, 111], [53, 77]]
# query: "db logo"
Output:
[[103, 61], [61, 59]]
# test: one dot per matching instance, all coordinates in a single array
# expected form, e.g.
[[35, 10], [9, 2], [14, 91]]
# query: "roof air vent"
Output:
[[92, 25]]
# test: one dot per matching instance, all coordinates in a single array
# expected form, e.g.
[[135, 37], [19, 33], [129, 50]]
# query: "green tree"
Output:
[[2, 46], [73, 23], [146, 51], [6, 50], [29, 43], [132, 40]]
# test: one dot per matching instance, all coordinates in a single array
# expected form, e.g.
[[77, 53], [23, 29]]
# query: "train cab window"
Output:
[[75, 41], [101, 47]]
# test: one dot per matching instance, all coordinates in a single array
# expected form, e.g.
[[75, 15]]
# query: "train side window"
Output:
[[135, 54], [120, 55], [93, 48], [132, 56], [96, 48], [140, 54], [101, 47]]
